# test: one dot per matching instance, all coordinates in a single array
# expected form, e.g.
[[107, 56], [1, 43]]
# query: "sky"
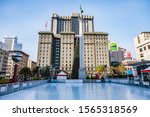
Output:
[[122, 19]]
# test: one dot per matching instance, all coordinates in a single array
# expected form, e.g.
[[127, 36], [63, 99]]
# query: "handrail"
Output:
[[17, 86]]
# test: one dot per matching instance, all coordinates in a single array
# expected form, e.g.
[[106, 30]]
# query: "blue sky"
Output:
[[122, 19]]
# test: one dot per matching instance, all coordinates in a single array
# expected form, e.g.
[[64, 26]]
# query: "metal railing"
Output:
[[18, 86], [134, 82]]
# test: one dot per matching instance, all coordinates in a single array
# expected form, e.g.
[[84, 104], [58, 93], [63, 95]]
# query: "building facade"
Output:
[[57, 47], [31, 64], [3, 62], [10, 64], [142, 46], [71, 23], [117, 55], [11, 42], [3, 46]]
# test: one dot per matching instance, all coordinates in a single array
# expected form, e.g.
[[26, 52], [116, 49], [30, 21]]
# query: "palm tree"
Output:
[[25, 72], [100, 69], [121, 68], [112, 69]]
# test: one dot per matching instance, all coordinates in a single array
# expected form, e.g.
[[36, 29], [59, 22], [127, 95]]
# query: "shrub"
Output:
[[4, 81]]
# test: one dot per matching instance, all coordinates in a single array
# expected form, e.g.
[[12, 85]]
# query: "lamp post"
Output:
[[53, 72], [105, 71], [50, 73], [16, 57], [142, 66], [39, 72]]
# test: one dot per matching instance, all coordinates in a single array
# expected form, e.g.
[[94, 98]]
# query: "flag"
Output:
[[81, 9], [46, 24]]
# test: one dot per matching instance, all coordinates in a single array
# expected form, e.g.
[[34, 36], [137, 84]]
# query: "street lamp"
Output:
[[39, 71], [53, 72], [50, 72], [105, 71], [16, 57]]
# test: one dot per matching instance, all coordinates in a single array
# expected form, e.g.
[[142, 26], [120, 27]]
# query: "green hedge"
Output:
[[36, 78], [4, 81]]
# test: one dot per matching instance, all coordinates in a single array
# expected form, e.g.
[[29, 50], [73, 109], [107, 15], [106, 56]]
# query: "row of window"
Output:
[[97, 36], [144, 48]]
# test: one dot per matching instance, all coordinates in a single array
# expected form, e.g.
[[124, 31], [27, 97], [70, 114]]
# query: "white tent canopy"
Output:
[[146, 70], [62, 76]]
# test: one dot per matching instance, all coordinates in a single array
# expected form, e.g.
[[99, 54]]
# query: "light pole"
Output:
[[16, 57], [51, 68], [142, 66], [53, 72], [39, 68], [105, 71]]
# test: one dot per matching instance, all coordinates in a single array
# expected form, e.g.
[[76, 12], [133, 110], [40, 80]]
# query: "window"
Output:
[[139, 40], [145, 48], [140, 50], [141, 55], [148, 46]]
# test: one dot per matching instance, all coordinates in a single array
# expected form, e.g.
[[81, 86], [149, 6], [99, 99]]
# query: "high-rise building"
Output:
[[57, 47], [11, 42], [142, 46], [3, 46]]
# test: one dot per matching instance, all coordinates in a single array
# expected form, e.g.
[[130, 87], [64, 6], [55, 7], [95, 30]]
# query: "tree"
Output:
[[75, 69], [121, 69], [35, 71], [100, 69], [112, 69], [25, 72], [45, 71]]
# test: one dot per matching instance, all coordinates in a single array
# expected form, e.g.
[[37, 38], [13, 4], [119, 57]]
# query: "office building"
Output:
[[11, 42], [3, 46], [56, 47], [117, 54], [142, 46]]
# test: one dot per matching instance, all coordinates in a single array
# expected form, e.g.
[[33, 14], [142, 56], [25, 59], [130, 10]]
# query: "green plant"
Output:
[[45, 71], [100, 69], [4, 81], [25, 72]]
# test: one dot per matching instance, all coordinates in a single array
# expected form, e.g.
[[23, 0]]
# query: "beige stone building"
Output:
[[95, 50], [45, 48], [3, 62], [31, 64], [10, 65], [142, 46], [67, 40], [57, 47]]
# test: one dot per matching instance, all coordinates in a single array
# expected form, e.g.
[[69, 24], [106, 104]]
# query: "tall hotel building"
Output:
[[56, 47], [142, 46]]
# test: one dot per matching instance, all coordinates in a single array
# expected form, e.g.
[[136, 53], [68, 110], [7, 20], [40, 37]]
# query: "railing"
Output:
[[135, 82], [14, 87]]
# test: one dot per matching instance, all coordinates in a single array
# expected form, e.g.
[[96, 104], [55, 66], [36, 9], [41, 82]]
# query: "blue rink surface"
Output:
[[81, 91]]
